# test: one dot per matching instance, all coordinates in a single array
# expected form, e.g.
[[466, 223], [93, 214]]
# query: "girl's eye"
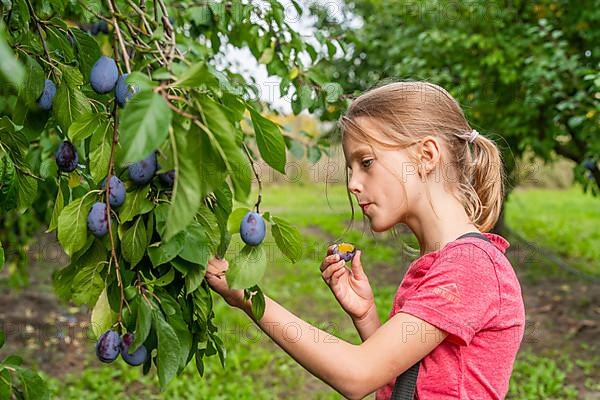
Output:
[[367, 163]]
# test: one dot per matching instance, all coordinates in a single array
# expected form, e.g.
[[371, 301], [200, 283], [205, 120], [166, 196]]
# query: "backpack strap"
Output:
[[406, 383]]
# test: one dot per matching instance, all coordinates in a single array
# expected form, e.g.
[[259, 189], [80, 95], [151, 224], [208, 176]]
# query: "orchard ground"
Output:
[[559, 356]]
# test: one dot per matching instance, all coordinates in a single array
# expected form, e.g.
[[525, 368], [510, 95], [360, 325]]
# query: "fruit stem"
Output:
[[257, 178]]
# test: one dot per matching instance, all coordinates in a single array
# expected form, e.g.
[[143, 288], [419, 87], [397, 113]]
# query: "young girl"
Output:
[[458, 313]]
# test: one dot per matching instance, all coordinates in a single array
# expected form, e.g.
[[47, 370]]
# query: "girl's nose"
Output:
[[354, 186]]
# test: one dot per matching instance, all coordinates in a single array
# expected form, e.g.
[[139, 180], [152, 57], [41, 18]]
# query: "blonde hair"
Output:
[[409, 111]]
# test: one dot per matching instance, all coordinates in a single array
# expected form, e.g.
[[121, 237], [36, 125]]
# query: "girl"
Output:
[[458, 313]]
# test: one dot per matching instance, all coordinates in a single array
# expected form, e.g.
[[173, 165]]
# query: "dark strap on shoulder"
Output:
[[475, 235], [406, 383]]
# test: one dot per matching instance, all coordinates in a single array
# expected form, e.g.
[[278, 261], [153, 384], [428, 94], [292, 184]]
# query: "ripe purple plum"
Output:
[[123, 91], [108, 346], [252, 228], [66, 157], [142, 171], [117, 191], [97, 220], [104, 75], [45, 100], [346, 251], [137, 357], [168, 178]]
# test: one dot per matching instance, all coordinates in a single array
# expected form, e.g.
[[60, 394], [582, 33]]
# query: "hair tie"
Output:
[[473, 135]]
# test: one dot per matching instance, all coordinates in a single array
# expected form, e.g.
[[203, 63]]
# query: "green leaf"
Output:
[[33, 387], [287, 238], [267, 56], [196, 247], [88, 51], [167, 362], [69, 104], [235, 219], [314, 154], [258, 302], [8, 184], [166, 250], [133, 242], [269, 140], [59, 203], [187, 194], [72, 223], [136, 203], [222, 137], [2, 338], [85, 126], [195, 76], [102, 316], [334, 90], [194, 278], [294, 147], [26, 190], [34, 82], [100, 146], [142, 323], [5, 384], [247, 268], [209, 222], [10, 68], [144, 126], [88, 283]]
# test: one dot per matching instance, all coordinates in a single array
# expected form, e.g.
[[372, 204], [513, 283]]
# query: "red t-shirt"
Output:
[[468, 289]]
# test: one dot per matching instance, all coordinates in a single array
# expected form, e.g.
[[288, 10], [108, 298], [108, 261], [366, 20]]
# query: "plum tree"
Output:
[[45, 100], [123, 91], [346, 251], [168, 178], [108, 346], [104, 75], [97, 220], [137, 357], [117, 191], [142, 171], [252, 228], [66, 157]]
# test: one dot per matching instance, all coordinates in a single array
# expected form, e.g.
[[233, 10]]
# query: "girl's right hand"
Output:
[[351, 288]]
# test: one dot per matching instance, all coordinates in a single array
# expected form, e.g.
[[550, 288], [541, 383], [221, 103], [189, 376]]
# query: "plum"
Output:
[[97, 220], [108, 346], [252, 228], [137, 357], [346, 251], [104, 75], [117, 191], [45, 100], [142, 171], [168, 178], [123, 91], [589, 164], [66, 157]]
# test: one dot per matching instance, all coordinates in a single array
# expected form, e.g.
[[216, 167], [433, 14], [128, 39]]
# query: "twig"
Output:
[[39, 29], [112, 7], [256, 175], [108, 212]]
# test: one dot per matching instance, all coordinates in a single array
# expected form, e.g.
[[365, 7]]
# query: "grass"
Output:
[[257, 368]]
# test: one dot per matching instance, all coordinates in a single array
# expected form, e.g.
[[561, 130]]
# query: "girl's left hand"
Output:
[[215, 276]]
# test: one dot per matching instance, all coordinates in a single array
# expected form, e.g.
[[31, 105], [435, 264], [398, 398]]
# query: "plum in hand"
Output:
[[346, 251]]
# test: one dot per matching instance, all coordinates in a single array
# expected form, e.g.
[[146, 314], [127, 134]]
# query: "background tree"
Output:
[[528, 71]]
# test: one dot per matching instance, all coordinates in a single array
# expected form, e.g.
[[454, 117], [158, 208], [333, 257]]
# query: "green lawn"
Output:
[[258, 369]]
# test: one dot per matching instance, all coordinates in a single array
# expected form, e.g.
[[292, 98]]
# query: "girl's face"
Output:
[[381, 180]]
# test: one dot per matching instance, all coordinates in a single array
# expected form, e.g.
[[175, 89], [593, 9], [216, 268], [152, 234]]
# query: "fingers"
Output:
[[330, 249], [332, 269], [330, 259]]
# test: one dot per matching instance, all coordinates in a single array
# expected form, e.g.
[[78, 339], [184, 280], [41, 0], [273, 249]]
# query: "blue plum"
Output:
[[104, 75], [589, 164], [123, 91], [168, 178], [108, 346], [346, 251], [45, 100], [137, 357], [97, 220], [252, 228], [66, 157], [142, 171], [117, 191]]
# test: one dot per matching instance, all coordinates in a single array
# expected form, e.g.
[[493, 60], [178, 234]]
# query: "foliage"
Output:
[[146, 275], [528, 71]]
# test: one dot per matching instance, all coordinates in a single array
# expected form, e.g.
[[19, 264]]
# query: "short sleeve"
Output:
[[459, 293]]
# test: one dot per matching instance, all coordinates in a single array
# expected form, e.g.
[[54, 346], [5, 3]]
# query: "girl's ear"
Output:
[[429, 154]]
